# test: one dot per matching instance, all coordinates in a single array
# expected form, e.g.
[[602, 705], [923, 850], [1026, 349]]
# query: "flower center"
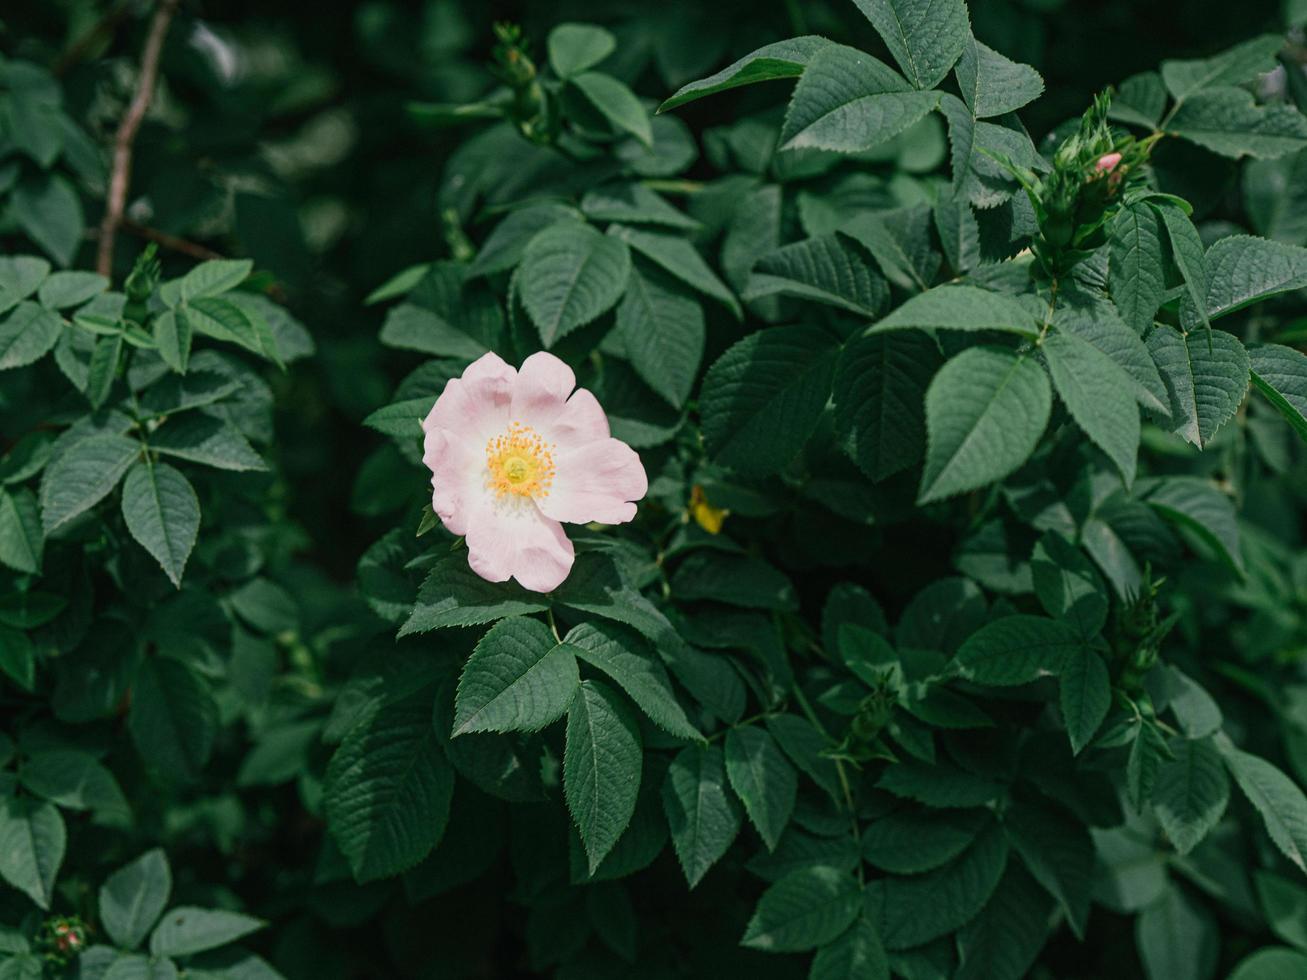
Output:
[[519, 462]]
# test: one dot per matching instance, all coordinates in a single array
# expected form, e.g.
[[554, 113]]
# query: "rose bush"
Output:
[[821, 527]]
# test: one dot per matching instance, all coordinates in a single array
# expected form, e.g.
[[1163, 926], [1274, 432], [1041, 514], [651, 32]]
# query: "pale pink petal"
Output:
[[582, 420], [597, 481], [458, 485], [541, 389], [510, 538], [476, 405]]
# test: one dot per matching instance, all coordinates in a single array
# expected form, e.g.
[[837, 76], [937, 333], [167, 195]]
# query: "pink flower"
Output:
[[511, 456], [1107, 161]]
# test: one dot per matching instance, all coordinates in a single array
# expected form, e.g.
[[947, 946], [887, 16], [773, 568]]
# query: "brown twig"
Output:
[[102, 28], [121, 172], [171, 242]]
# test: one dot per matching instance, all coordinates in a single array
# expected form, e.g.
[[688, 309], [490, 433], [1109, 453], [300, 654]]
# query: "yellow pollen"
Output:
[[520, 462]]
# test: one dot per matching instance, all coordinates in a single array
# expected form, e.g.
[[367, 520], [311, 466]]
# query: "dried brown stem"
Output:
[[171, 242], [120, 174]]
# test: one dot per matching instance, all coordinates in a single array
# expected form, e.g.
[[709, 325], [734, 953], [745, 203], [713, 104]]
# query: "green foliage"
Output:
[[960, 633]]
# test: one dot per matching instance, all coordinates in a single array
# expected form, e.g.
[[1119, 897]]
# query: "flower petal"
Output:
[[541, 389], [458, 485], [476, 405], [510, 538], [596, 481]]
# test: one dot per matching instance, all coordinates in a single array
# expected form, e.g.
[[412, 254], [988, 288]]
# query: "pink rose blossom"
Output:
[[511, 456], [1107, 161]]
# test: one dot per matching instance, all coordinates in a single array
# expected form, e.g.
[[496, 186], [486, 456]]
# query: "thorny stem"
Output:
[[121, 172]]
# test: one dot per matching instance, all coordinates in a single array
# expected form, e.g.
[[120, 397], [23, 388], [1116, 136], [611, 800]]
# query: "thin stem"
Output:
[[120, 174], [553, 624], [171, 242]]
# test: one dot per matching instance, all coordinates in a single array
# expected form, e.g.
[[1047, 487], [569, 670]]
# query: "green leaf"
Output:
[[454, 595], [571, 274], [64, 289], [388, 788], [675, 255], [399, 284], [130, 966], [662, 334], [133, 898], [856, 955], [616, 102], [402, 419], [1059, 852], [74, 780], [228, 320], [1242, 270], [18, 658], [213, 278], [739, 580], [1276, 797], [601, 768], [27, 335], [20, 277], [446, 315], [703, 815], [83, 476], [924, 907], [1094, 319], [518, 679], [1003, 941], [1206, 376], [985, 412], [993, 85], [1187, 252], [1191, 793], [22, 542], [763, 779], [762, 398], [805, 909], [163, 514], [573, 48], [504, 247], [1239, 64], [941, 786], [633, 203], [826, 269], [629, 661], [1147, 750], [1097, 394], [1136, 270], [173, 718], [925, 37], [32, 839], [879, 391], [847, 102], [1086, 694], [49, 212], [187, 930], [782, 59], [1177, 937], [1068, 585], [1016, 650], [911, 841], [961, 308], [200, 438], [1229, 122], [1271, 963], [1197, 505], [1279, 373]]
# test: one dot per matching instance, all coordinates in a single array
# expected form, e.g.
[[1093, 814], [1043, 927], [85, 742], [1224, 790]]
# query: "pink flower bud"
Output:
[[1107, 161]]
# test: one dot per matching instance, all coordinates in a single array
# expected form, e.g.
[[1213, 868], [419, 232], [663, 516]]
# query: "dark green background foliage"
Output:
[[962, 632]]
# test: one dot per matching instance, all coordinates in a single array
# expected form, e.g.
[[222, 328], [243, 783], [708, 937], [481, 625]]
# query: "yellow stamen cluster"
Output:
[[519, 462]]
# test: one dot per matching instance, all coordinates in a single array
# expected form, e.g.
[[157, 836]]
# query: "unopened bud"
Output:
[[1107, 161]]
